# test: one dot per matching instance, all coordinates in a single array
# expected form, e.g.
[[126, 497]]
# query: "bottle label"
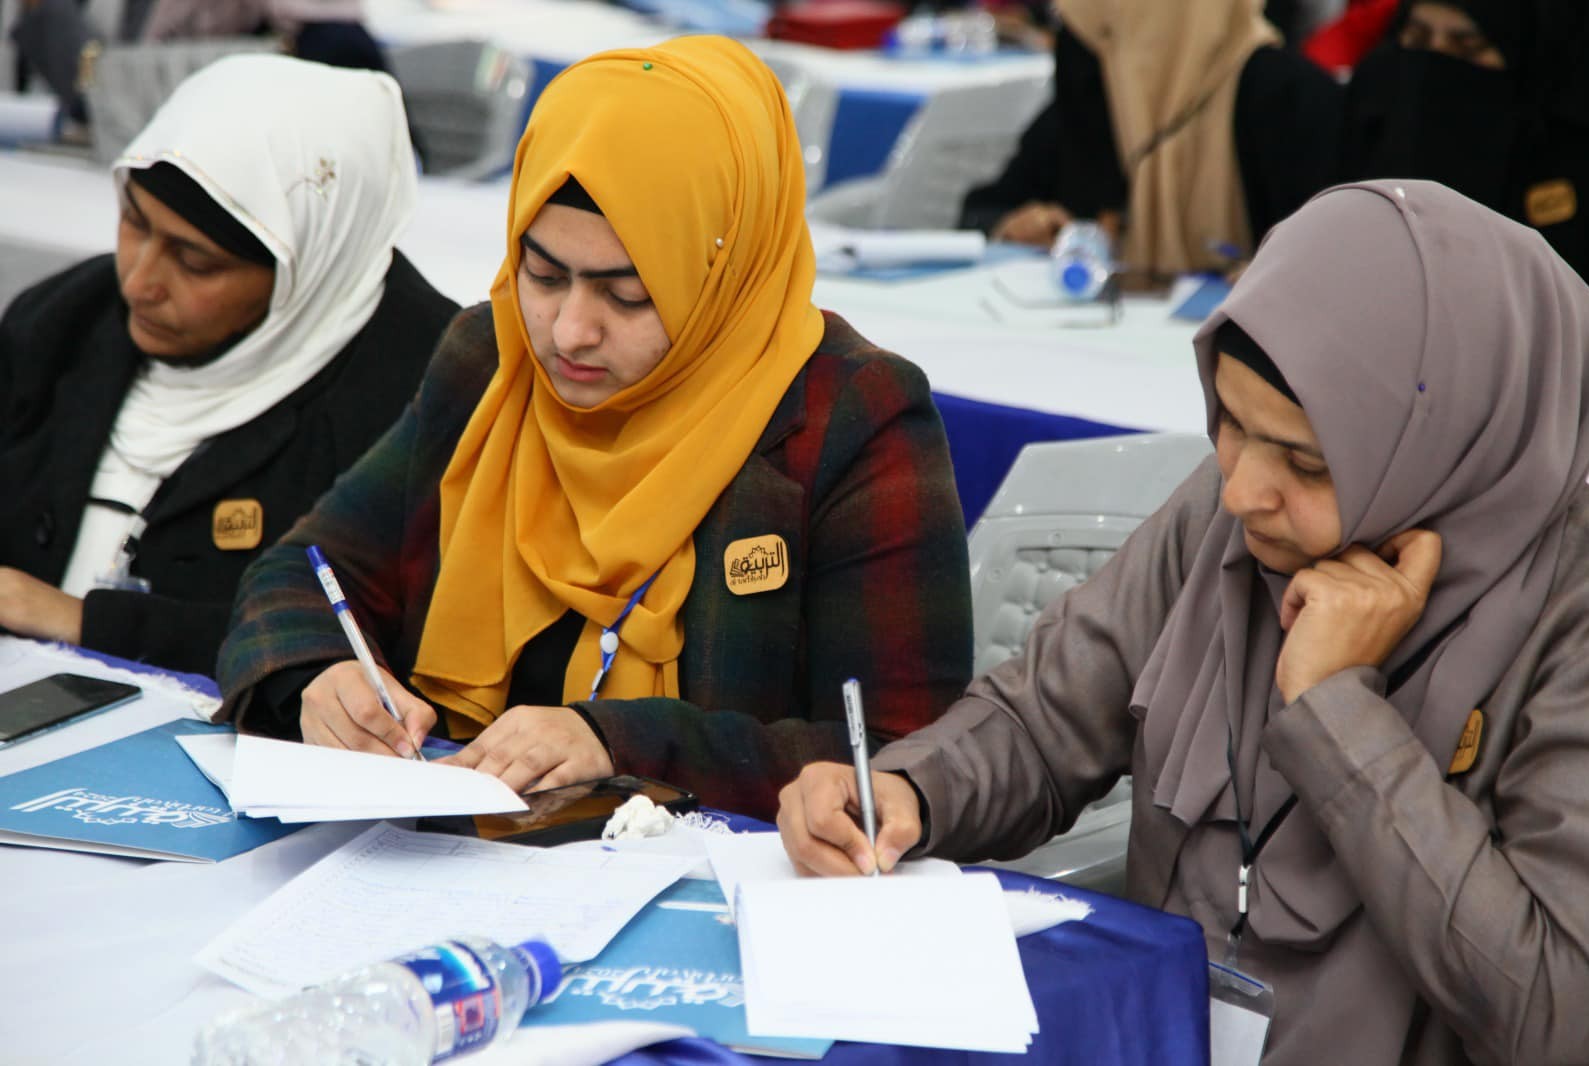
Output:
[[464, 994]]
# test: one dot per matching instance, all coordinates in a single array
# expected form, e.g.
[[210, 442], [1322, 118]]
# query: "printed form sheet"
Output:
[[390, 890]]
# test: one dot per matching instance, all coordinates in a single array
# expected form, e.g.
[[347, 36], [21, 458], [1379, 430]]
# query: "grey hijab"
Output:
[[1438, 350]]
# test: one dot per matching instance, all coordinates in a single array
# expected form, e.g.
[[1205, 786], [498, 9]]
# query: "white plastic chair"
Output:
[[961, 138], [1061, 512], [465, 102]]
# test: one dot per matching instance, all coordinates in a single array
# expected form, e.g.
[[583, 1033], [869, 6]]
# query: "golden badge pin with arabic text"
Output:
[[756, 564], [237, 525], [1468, 746], [1550, 202]]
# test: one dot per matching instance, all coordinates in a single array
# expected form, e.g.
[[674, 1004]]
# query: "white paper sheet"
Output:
[[213, 754], [923, 961], [305, 783], [760, 857], [390, 890], [841, 248]]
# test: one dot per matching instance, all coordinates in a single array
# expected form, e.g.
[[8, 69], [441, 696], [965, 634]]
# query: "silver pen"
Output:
[[856, 719]]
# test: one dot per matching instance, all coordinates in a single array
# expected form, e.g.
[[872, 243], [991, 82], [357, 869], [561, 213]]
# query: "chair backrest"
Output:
[[813, 101], [961, 138], [1061, 512], [1063, 509], [129, 82], [465, 102]]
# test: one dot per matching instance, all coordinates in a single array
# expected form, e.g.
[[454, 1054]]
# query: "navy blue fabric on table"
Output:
[[985, 438], [197, 682], [1127, 986]]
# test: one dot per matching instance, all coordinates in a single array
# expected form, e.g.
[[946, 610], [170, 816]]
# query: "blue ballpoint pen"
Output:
[[350, 627], [856, 720]]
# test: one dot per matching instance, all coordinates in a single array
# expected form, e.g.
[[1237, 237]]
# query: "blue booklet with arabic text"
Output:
[[677, 962], [140, 796]]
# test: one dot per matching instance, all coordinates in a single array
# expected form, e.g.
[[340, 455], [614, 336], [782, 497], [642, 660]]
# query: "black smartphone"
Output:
[[57, 700], [559, 815]]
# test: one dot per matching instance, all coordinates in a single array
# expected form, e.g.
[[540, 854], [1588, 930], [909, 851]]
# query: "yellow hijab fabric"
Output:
[[691, 152], [1171, 71]]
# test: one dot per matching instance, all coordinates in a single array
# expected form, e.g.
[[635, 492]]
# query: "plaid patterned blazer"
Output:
[[852, 472]]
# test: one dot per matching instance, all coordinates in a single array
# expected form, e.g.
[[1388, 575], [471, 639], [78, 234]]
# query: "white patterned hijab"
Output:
[[1438, 350], [316, 163]]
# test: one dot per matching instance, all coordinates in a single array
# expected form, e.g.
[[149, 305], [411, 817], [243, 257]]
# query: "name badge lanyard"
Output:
[[609, 636], [1250, 848]]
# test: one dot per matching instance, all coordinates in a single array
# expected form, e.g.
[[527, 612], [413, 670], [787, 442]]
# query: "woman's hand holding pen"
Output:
[[544, 747], [1353, 608], [341, 710], [817, 814]]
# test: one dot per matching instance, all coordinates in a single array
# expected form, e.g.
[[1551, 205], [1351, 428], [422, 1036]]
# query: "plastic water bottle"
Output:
[[428, 1006], [1081, 260]]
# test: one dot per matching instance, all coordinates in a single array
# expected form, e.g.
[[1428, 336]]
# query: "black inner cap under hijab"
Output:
[[172, 187], [573, 194], [1230, 339]]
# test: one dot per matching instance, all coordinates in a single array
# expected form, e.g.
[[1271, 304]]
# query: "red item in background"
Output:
[[836, 23], [1341, 45]]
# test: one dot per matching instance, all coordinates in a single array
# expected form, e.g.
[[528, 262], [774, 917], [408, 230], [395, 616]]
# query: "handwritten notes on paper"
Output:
[[390, 890]]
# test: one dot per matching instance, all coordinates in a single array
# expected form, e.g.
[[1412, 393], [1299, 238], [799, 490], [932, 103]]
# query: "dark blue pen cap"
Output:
[[316, 559], [543, 967]]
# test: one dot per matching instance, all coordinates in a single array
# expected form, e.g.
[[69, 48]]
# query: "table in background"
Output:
[[1004, 375], [98, 955]]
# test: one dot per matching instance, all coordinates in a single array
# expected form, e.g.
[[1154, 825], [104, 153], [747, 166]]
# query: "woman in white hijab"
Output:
[[167, 412]]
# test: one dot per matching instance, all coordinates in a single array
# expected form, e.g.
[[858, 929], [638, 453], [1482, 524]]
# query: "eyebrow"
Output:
[[531, 245], [1282, 442], [219, 254]]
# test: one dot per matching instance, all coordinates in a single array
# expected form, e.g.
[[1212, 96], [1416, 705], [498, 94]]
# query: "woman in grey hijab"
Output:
[[1363, 626]]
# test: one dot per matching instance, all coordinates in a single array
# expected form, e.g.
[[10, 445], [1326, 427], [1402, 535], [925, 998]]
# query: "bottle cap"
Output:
[[1076, 277], [540, 956]]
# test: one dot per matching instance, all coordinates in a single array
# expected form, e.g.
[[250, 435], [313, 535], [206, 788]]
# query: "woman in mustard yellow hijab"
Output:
[[650, 507]]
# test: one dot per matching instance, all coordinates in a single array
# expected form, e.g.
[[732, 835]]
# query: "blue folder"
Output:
[[140, 796]]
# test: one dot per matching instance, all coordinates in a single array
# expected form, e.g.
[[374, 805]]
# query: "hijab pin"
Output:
[[719, 242], [645, 66], [1421, 386]]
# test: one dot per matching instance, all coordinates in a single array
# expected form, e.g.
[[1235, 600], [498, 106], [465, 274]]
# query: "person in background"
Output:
[[1490, 97], [328, 31], [168, 411], [650, 442], [1186, 125], [1347, 663]]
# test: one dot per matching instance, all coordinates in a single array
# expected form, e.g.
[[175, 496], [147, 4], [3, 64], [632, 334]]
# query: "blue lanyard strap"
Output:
[[609, 635]]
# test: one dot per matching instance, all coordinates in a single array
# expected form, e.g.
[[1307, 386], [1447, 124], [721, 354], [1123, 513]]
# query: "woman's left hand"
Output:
[[546, 747], [33, 608], [1354, 608]]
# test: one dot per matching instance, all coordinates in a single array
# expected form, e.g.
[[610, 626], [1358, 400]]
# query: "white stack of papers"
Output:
[[741, 857], [388, 891], [265, 778], [840, 249], [923, 961]]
